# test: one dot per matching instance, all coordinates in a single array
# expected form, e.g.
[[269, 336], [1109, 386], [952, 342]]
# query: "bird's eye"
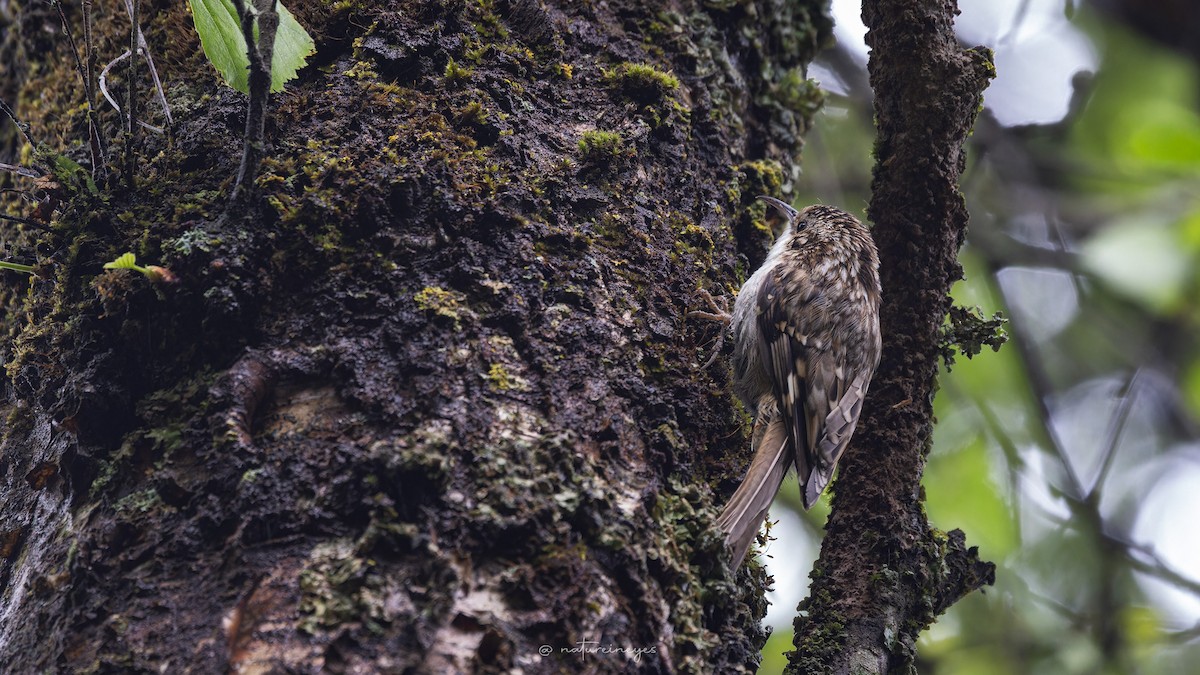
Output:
[[801, 223]]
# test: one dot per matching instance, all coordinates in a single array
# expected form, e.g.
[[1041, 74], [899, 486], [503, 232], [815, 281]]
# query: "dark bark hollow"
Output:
[[884, 573], [430, 402]]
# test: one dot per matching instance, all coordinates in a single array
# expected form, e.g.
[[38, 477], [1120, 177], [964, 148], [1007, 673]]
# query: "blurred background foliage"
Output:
[[1071, 457]]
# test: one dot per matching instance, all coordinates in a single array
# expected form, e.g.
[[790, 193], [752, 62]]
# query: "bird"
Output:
[[806, 345]]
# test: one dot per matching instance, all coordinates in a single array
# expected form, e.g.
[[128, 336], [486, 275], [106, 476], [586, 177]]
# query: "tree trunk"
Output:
[[429, 404]]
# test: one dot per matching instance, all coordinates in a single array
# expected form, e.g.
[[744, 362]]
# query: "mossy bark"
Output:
[[884, 574], [429, 402]]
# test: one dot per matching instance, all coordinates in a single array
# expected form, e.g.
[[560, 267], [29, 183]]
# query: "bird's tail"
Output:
[[742, 516]]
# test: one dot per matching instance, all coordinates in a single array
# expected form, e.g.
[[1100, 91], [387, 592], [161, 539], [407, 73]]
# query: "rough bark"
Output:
[[884, 573], [430, 402]]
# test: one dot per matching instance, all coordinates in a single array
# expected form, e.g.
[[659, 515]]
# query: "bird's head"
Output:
[[816, 222]]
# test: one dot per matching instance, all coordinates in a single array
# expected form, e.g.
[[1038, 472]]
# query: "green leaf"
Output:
[[69, 173], [221, 37], [293, 46], [127, 261]]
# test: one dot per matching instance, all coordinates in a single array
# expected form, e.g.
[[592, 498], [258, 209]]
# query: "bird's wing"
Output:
[[784, 351], [839, 383], [838, 427]]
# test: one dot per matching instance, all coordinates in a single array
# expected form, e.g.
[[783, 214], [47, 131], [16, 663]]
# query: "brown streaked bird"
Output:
[[806, 343]]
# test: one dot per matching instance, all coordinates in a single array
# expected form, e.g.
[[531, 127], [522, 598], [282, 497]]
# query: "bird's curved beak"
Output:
[[783, 207]]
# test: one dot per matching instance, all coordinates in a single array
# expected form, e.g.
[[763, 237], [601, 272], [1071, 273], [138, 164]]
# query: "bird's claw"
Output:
[[718, 314]]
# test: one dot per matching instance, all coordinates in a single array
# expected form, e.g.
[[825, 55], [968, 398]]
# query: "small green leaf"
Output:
[[221, 37], [125, 262], [155, 273]]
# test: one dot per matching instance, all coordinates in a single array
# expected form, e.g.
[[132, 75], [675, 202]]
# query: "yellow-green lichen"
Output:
[[500, 379], [443, 303], [761, 177], [799, 93]]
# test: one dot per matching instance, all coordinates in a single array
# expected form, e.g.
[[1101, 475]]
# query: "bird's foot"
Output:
[[717, 313]]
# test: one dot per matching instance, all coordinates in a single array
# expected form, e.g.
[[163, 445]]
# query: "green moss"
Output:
[[422, 456], [688, 554], [472, 113], [642, 82], [362, 70], [692, 244], [654, 89], [329, 586], [670, 434], [601, 147], [758, 177], [455, 72]]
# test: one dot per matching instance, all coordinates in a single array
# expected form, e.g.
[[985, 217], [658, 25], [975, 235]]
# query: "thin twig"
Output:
[[112, 101], [66, 26], [1039, 382], [26, 221], [1150, 563], [94, 144], [1019, 18], [1184, 635], [143, 48], [1114, 431], [21, 126], [1154, 565], [19, 170], [104, 80], [131, 101], [89, 62]]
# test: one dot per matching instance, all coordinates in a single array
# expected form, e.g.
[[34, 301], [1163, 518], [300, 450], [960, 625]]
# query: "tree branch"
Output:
[[884, 574], [259, 84]]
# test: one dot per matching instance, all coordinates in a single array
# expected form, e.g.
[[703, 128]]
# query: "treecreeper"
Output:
[[806, 344]]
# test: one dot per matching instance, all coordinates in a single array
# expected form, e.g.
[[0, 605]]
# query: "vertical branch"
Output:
[[884, 574], [131, 100], [95, 142], [259, 54], [89, 61]]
